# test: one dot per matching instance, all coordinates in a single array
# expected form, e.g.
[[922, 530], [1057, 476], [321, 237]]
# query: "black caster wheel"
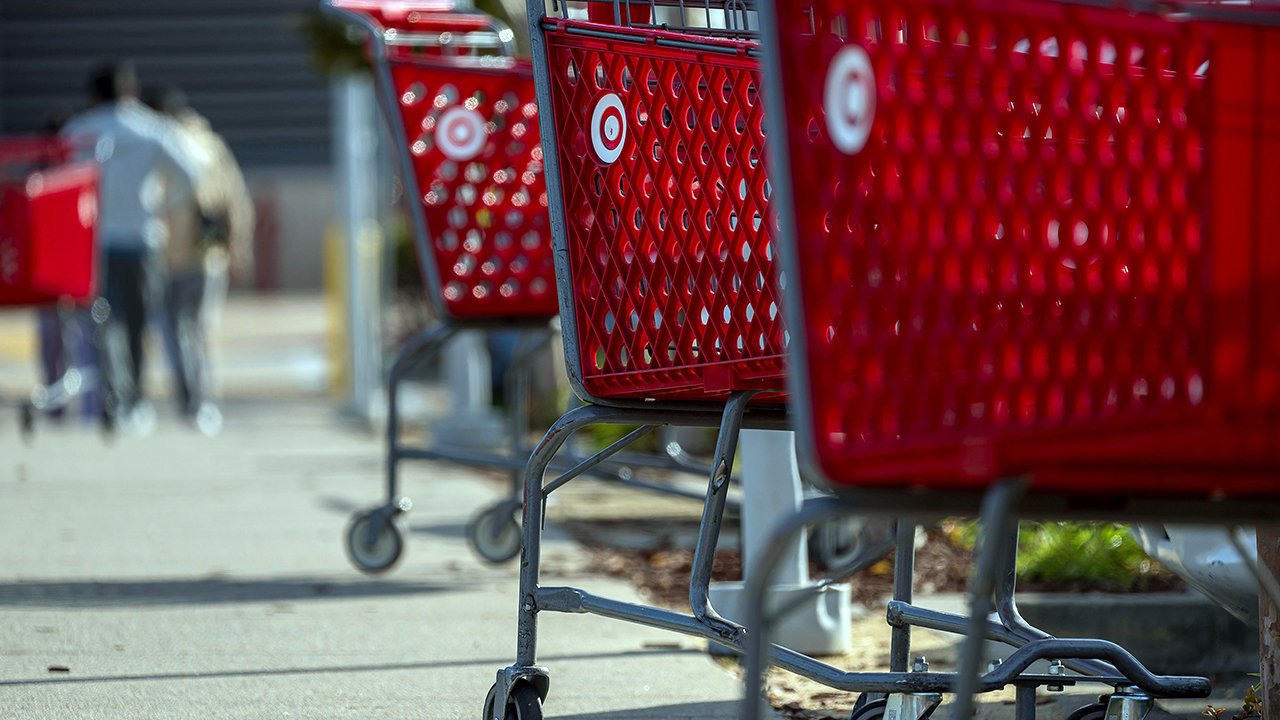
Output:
[[524, 703], [869, 709], [835, 543], [379, 553], [494, 533], [489, 712], [1097, 711]]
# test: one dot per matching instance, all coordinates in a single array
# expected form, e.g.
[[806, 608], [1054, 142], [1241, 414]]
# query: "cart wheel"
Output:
[[835, 543], [379, 555], [869, 710], [488, 704], [1097, 711], [524, 703], [494, 533]]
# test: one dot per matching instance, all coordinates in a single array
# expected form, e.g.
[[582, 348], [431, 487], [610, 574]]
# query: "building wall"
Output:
[[295, 208], [243, 64]]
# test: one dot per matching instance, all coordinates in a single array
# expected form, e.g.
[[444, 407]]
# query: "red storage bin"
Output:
[[48, 220], [662, 172], [1038, 238]]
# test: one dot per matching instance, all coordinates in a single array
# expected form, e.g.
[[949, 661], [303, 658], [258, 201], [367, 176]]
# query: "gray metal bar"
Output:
[[904, 565], [542, 455], [1266, 580], [415, 351], [1007, 609], [997, 518], [713, 516], [1025, 703], [475, 40], [901, 613], [574, 600], [668, 42], [531, 528], [598, 458]]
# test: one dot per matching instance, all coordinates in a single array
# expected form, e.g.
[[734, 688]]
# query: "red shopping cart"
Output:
[[665, 267], [1031, 243], [464, 124], [464, 121], [48, 250], [48, 213]]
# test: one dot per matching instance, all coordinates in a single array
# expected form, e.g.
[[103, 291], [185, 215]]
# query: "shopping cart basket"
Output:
[[665, 268], [48, 249], [1028, 241], [464, 121]]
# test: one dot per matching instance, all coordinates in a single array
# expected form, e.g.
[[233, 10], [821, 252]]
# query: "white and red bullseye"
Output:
[[608, 128], [850, 99], [460, 134]]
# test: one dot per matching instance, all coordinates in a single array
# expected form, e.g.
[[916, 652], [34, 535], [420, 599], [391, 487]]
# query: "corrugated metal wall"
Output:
[[242, 63]]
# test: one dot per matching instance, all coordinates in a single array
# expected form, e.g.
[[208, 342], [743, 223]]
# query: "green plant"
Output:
[[337, 48], [1251, 707], [599, 437], [1071, 555]]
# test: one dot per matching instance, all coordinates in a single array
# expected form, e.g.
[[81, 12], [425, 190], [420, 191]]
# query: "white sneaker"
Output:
[[140, 420], [209, 419]]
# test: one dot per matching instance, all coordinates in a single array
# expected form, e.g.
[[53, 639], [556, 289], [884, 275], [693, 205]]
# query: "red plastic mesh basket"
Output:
[[1036, 237], [471, 140], [48, 220], [663, 180], [472, 135]]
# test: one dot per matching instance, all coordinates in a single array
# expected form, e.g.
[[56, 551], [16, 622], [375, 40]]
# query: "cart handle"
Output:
[[426, 23]]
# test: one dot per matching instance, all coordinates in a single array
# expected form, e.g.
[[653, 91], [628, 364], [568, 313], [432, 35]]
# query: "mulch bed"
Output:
[[662, 576]]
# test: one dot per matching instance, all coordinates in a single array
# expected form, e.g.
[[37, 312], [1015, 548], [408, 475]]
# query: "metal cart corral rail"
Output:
[[1033, 261], [464, 123], [48, 257]]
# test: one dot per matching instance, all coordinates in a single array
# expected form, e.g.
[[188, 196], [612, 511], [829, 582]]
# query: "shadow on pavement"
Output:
[[701, 711], [448, 530], [330, 669], [93, 593]]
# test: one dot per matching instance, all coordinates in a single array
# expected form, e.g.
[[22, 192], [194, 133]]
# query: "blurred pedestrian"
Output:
[[210, 231], [132, 144]]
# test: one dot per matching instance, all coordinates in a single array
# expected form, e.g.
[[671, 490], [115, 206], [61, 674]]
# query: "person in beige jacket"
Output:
[[210, 232]]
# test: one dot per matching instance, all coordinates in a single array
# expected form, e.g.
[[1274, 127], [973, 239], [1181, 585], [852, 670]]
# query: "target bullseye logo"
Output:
[[608, 128], [460, 133], [850, 99]]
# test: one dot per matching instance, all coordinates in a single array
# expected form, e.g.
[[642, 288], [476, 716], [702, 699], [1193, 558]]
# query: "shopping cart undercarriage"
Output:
[[659, 206]]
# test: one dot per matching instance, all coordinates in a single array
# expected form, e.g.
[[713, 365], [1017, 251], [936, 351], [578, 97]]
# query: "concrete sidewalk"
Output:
[[179, 576]]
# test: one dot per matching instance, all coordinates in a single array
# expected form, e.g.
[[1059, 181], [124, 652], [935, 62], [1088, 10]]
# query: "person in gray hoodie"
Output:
[[132, 144]]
